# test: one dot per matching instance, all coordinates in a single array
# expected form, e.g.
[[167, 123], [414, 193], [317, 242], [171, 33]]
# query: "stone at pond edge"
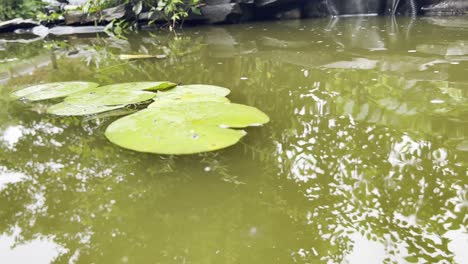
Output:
[[11, 25], [53, 90], [184, 128], [77, 17], [224, 13], [68, 30]]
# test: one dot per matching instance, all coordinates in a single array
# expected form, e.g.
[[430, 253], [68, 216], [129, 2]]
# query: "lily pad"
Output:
[[191, 93], [66, 109], [53, 90], [104, 97], [184, 128], [186, 98], [118, 94], [199, 89], [142, 86]]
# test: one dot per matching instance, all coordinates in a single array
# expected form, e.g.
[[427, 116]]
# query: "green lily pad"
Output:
[[53, 90], [198, 89], [66, 109], [186, 98], [107, 98], [184, 128], [118, 94], [141, 86], [191, 93]]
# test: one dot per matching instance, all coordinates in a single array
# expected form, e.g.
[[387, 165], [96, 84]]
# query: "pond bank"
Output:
[[235, 11]]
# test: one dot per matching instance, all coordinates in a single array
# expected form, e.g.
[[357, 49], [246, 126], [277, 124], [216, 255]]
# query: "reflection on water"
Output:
[[363, 160]]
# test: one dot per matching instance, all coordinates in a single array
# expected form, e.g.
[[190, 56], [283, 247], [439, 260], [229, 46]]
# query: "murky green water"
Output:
[[365, 159]]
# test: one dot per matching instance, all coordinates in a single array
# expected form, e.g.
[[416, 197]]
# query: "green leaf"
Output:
[[53, 90], [195, 89], [104, 97], [66, 109], [191, 93], [184, 128], [187, 98], [118, 94]]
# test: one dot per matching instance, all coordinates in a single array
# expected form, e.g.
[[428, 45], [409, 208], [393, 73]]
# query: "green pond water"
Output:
[[365, 159]]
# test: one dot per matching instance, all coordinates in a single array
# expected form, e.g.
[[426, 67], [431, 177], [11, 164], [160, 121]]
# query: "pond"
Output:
[[365, 159]]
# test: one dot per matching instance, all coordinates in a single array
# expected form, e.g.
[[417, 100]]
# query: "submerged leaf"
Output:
[[53, 90], [66, 109], [184, 128]]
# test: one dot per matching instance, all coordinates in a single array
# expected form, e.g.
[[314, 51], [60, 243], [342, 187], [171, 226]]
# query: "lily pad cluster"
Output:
[[183, 119]]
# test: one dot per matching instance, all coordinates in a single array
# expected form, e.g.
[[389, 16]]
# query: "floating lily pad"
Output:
[[141, 86], [184, 128], [53, 90], [186, 98], [118, 94], [195, 89], [191, 93], [66, 109], [109, 98]]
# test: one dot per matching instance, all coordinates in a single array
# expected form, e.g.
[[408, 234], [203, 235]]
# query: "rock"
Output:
[[71, 7], [77, 17], [67, 30], [156, 16], [295, 13], [74, 17], [446, 8], [217, 2], [54, 6], [17, 23], [455, 23], [77, 2], [266, 3], [159, 17], [347, 7], [316, 9], [225, 13], [117, 12], [40, 31]]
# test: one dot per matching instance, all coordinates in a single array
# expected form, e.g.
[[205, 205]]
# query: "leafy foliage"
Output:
[[10, 9], [175, 10]]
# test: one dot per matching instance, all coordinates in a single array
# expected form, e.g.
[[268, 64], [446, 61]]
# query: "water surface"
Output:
[[364, 160]]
